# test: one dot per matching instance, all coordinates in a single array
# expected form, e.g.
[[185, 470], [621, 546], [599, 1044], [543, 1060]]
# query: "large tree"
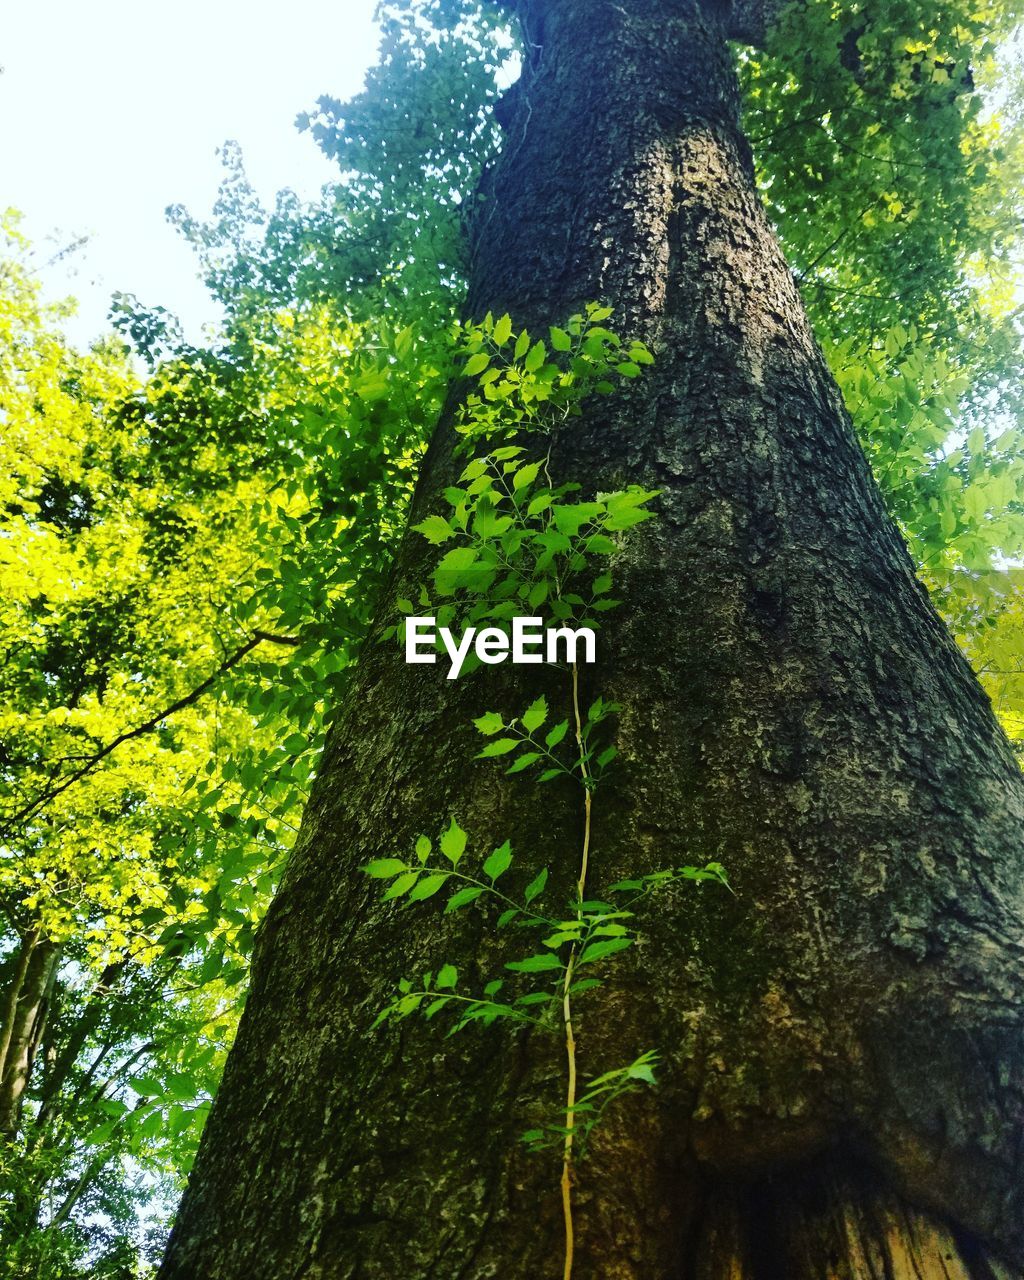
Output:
[[842, 1038]]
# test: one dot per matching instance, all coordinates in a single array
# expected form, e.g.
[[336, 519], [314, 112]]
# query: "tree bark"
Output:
[[27, 1022], [841, 1088]]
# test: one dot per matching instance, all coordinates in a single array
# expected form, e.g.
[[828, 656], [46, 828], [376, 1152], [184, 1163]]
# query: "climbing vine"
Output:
[[515, 540]]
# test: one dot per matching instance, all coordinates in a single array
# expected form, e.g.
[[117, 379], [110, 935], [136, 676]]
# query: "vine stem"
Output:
[[570, 1039]]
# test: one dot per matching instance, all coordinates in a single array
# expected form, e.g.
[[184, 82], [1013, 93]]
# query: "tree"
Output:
[[175, 562], [121, 557], [843, 1073]]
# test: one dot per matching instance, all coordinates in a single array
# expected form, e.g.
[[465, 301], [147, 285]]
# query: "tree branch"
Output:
[[149, 725]]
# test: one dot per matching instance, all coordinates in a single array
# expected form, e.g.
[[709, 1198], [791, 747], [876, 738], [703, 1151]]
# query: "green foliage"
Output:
[[521, 542], [516, 541], [587, 762], [179, 558], [891, 121], [583, 933], [156, 522], [525, 384]]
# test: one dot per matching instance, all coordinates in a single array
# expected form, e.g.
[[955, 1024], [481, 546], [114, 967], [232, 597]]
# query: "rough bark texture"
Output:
[[842, 1087]]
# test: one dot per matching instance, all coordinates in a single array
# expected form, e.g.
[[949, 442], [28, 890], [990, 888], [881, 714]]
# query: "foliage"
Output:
[[899, 125], [586, 933], [178, 556], [518, 539], [521, 544], [193, 540]]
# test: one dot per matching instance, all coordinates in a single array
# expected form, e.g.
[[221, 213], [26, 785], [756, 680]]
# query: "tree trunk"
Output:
[[28, 1010], [841, 1087]]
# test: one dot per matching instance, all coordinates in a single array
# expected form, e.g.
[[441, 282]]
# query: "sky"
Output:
[[112, 110]]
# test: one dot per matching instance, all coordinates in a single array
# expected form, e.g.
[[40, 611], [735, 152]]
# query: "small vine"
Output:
[[515, 540]]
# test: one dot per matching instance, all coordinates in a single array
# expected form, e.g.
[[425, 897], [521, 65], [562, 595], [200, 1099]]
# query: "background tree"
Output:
[[177, 570]]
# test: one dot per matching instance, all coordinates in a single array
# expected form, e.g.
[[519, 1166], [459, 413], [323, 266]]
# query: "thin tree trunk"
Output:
[[17, 967], [841, 1088], [26, 1029]]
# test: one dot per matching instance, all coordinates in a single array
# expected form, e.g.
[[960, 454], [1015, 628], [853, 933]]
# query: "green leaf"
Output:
[[536, 964], [447, 976], [490, 722], [385, 868], [598, 950], [428, 886], [498, 862], [560, 340], [536, 886], [436, 530], [600, 545], [525, 476], [499, 747], [538, 594], [557, 734], [626, 519], [402, 885], [535, 714], [423, 848], [502, 330], [522, 345], [559, 939], [463, 898], [476, 364], [535, 359], [523, 762], [571, 517], [453, 843], [459, 567]]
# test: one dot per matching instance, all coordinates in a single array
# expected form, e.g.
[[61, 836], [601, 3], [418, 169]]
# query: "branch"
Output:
[[149, 725]]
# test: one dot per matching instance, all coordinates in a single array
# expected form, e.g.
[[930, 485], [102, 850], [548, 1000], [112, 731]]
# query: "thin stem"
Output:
[[510, 1011], [585, 771], [570, 1039], [489, 888]]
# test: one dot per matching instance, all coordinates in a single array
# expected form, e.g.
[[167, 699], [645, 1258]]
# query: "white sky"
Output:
[[113, 109]]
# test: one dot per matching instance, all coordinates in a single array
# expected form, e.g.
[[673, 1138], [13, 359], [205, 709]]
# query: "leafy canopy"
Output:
[[193, 540]]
